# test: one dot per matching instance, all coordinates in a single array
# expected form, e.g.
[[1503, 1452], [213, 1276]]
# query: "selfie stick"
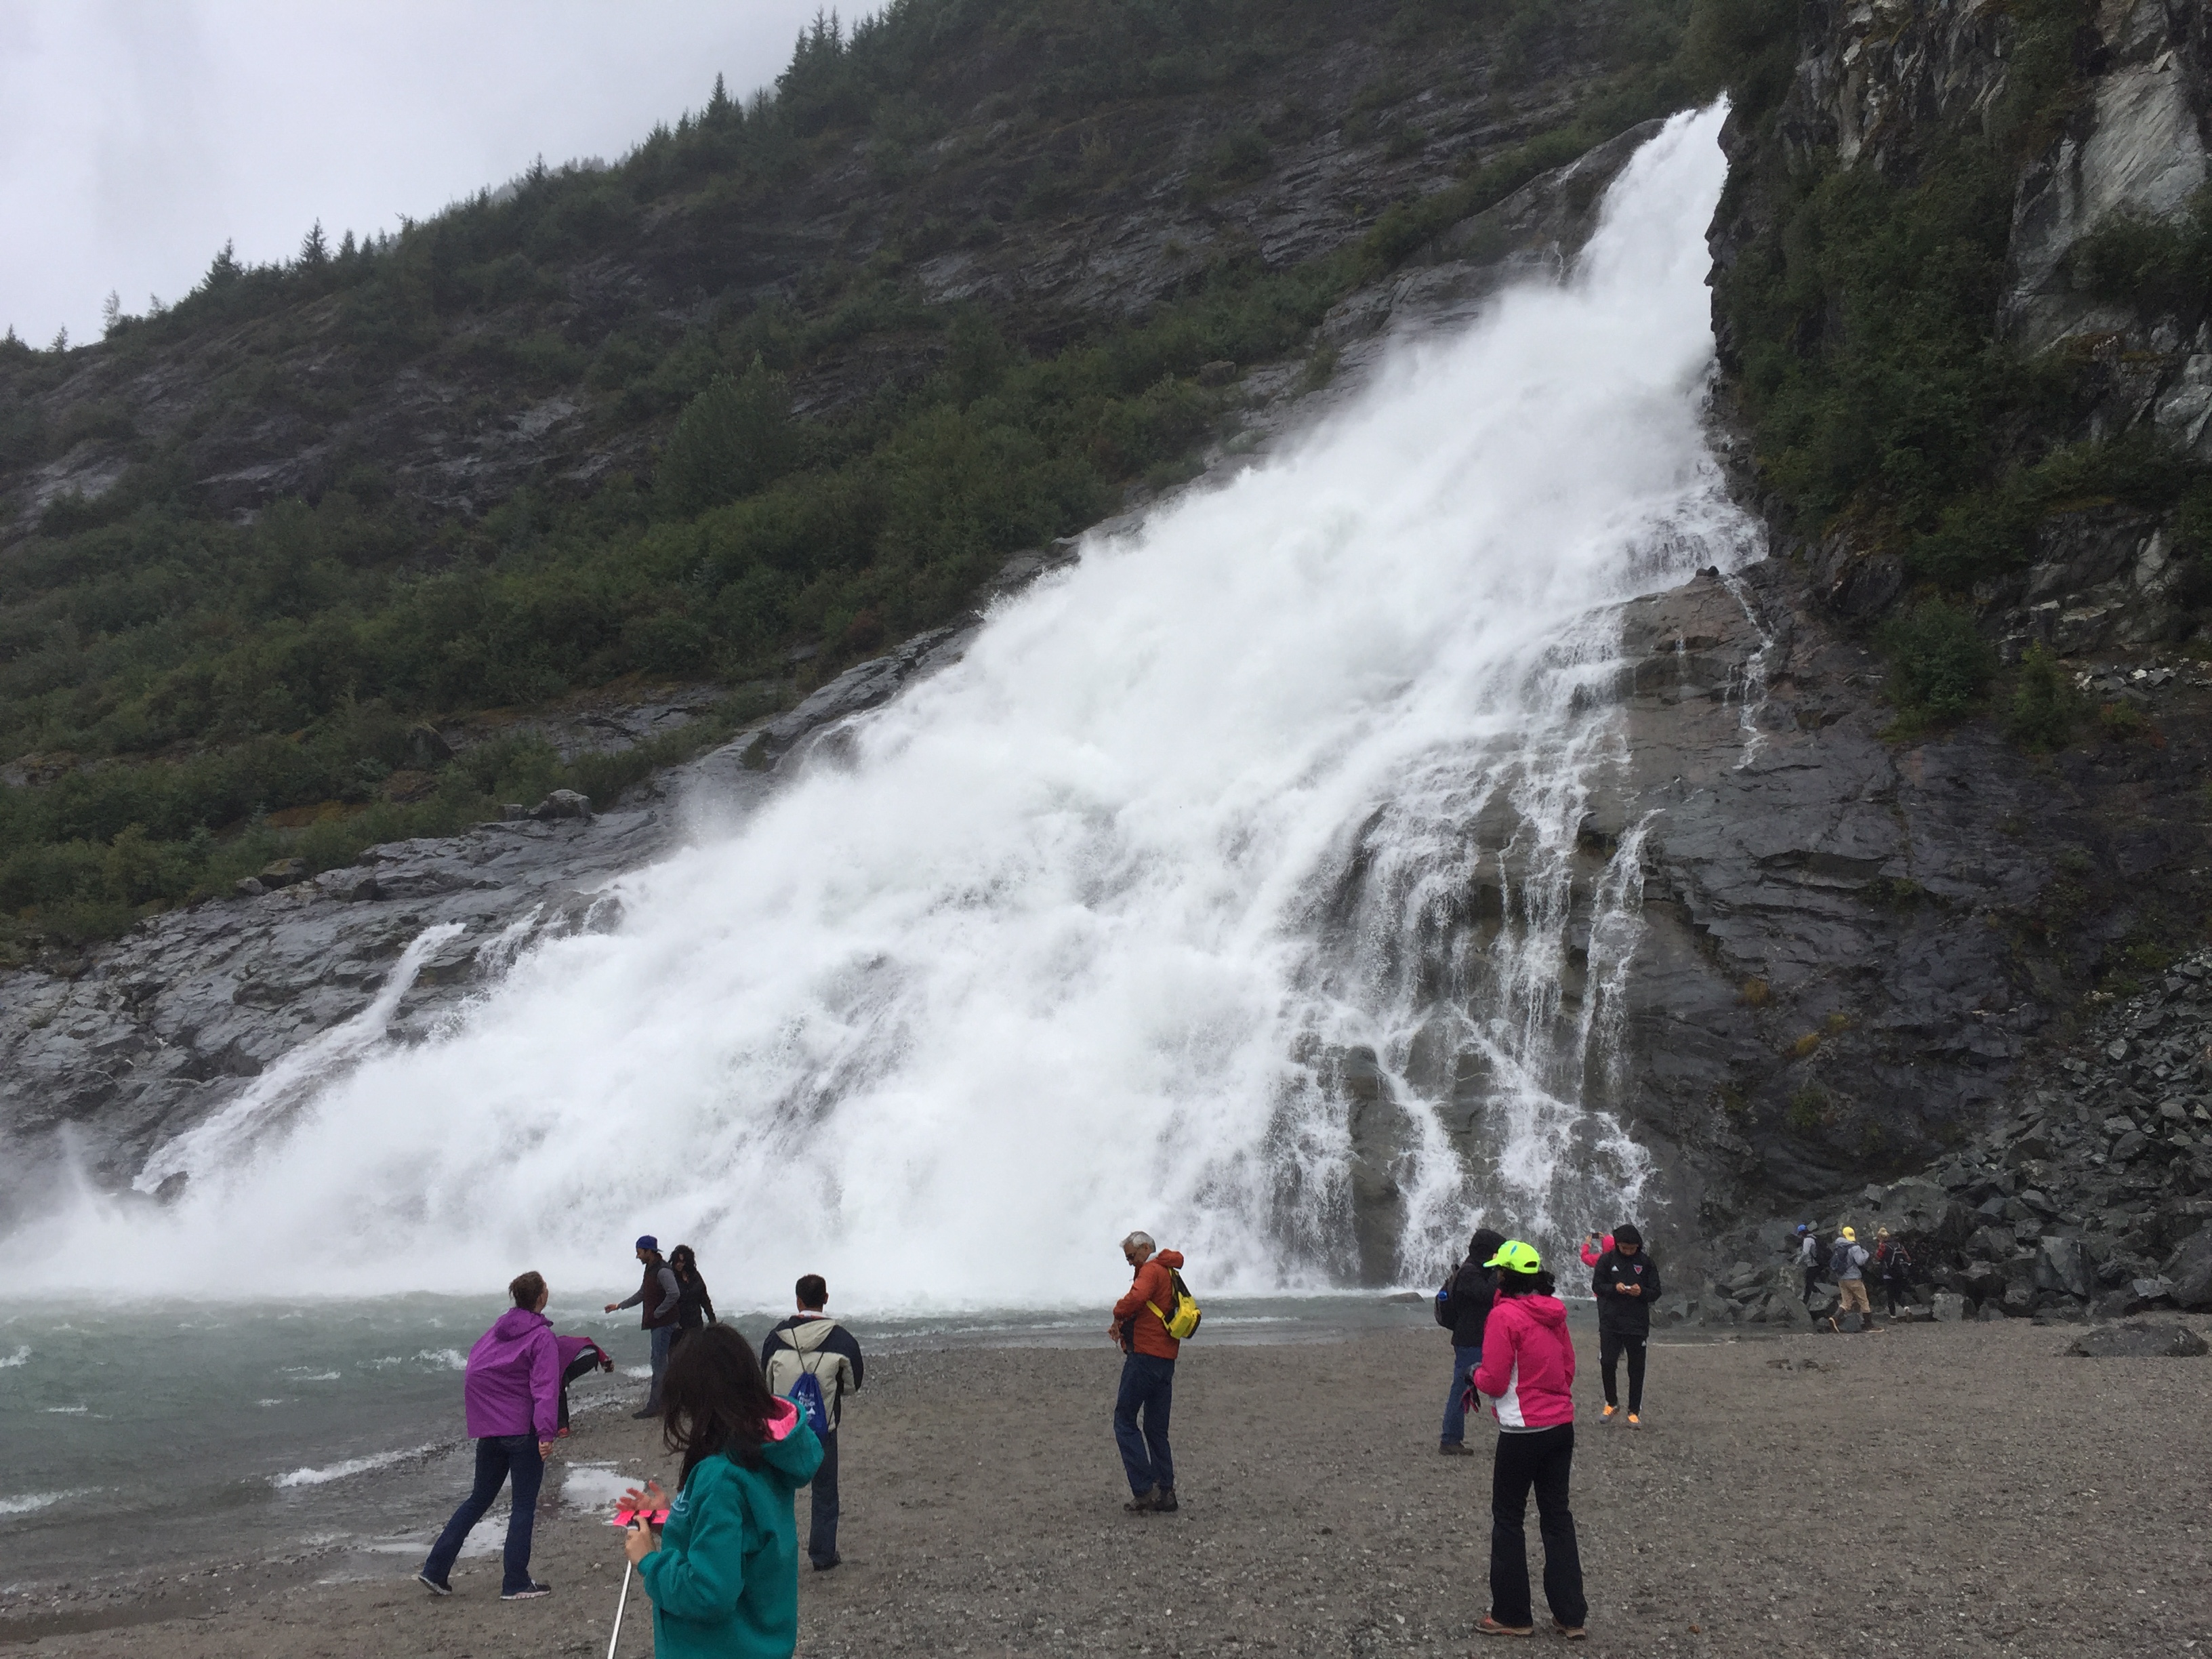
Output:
[[619, 1605]]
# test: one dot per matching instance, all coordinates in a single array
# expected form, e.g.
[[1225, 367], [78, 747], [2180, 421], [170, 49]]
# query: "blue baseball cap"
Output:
[[647, 1242]]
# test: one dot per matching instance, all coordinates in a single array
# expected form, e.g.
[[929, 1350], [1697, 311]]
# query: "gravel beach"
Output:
[[1924, 1490]]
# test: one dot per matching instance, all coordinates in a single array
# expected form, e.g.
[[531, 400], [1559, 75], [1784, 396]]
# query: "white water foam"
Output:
[[351, 1467], [27, 1501], [1053, 945], [21, 1357]]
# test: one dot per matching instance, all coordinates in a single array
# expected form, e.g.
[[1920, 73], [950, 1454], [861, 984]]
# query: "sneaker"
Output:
[[834, 1561], [1164, 1503], [1634, 1421], [433, 1585], [529, 1592], [1607, 1414], [638, 1417]]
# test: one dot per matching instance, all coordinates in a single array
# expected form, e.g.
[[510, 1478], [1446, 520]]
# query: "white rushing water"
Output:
[[1078, 935]]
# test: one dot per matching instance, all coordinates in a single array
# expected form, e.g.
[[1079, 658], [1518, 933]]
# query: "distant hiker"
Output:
[[724, 1572], [1808, 1257], [1462, 1307], [694, 1308], [1147, 1375], [512, 1396], [1625, 1280], [1593, 1246], [578, 1356], [1527, 1381], [658, 1296], [813, 1347], [1846, 1264], [1893, 1265]]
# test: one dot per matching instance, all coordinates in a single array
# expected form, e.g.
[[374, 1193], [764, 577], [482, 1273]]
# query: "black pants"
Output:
[[1611, 1345], [580, 1366], [1542, 1458], [822, 1533], [1894, 1286], [1812, 1278]]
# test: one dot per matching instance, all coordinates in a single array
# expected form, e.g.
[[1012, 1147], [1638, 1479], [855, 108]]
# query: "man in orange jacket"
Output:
[[1147, 1375]]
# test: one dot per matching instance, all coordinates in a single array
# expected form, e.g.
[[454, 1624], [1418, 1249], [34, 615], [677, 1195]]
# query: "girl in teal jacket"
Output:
[[723, 1573]]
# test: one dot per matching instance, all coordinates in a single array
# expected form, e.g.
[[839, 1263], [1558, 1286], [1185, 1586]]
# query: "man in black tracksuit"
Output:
[[1625, 1281]]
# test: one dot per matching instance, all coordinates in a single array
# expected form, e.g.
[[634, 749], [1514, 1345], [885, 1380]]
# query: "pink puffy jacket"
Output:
[[1527, 1377]]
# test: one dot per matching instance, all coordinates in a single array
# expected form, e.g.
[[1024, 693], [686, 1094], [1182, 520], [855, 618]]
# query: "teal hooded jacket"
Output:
[[724, 1581]]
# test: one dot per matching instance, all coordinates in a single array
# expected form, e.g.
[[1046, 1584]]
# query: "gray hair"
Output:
[[1137, 1242]]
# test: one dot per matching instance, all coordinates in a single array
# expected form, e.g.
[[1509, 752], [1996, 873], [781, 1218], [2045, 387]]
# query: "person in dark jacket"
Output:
[[1465, 1300], [1625, 1282], [694, 1308], [512, 1397], [658, 1296], [811, 1344], [580, 1357], [1894, 1263]]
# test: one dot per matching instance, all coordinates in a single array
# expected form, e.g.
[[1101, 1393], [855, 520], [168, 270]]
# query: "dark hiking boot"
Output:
[[638, 1417], [1455, 1449], [1144, 1502], [1164, 1503]]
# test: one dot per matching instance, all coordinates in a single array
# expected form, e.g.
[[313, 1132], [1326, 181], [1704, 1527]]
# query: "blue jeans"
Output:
[[1147, 1386], [1464, 1360], [664, 1338], [498, 1456], [822, 1534]]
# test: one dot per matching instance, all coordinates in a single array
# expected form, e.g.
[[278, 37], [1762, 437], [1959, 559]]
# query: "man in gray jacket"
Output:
[[659, 1296], [811, 1344]]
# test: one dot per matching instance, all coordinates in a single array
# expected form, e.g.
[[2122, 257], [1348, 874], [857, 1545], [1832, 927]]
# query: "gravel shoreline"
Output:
[[1932, 1490]]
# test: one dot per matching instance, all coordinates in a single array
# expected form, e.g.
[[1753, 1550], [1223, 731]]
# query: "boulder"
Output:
[[282, 872], [2141, 1293], [248, 887], [2189, 1267], [427, 751], [1949, 1308], [2138, 1340], [563, 804], [1989, 1313], [2061, 1266], [350, 885]]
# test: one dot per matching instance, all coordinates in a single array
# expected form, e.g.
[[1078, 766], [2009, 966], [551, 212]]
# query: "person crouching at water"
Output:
[[724, 1573], [1147, 1377], [1465, 1307], [580, 1357], [1624, 1280], [1526, 1381], [511, 1393]]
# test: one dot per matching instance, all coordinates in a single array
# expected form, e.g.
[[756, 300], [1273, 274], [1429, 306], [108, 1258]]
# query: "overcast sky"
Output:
[[137, 136]]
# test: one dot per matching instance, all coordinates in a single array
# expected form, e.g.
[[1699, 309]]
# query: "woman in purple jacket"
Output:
[[513, 1393]]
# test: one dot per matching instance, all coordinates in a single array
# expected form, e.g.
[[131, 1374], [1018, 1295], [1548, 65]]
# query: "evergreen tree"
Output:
[[314, 248], [224, 270], [111, 313], [347, 252], [61, 340]]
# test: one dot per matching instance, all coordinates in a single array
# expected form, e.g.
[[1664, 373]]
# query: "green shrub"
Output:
[[1939, 663], [735, 438], [2044, 705]]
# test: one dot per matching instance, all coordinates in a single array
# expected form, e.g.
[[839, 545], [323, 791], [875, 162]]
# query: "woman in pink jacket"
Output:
[[1526, 1381]]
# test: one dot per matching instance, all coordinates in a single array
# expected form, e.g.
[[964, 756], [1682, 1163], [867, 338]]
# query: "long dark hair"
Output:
[[1538, 1283], [714, 1399], [684, 1262]]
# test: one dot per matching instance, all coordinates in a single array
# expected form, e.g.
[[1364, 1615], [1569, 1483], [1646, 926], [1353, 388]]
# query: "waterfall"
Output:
[[1237, 885]]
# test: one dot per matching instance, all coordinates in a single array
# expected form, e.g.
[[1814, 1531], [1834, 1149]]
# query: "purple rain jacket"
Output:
[[513, 1383]]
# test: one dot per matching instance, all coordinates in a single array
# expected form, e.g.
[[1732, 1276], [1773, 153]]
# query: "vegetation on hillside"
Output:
[[1883, 397], [199, 676]]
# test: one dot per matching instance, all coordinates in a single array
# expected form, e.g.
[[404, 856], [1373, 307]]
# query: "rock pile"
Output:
[[2094, 1197]]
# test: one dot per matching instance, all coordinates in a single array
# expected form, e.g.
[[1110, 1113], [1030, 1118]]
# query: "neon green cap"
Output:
[[1515, 1257]]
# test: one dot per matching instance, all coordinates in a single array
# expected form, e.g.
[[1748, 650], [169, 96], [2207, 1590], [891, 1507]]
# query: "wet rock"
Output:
[[2062, 1266], [563, 804], [1949, 1308], [2135, 1340], [2144, 1293], [2190, 1271], [282, 872], [248, 887]]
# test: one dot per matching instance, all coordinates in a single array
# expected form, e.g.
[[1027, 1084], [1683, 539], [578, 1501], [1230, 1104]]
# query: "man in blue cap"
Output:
[[657, 1297]]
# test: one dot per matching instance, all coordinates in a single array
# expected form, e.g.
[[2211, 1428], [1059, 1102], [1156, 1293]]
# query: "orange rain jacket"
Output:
[[1141, 1330]]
